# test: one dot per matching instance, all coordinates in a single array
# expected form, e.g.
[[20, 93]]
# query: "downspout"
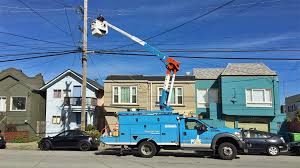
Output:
[[274, 97]]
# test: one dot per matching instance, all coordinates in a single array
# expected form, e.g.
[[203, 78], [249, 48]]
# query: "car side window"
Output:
[[192, 124], [259, 135]]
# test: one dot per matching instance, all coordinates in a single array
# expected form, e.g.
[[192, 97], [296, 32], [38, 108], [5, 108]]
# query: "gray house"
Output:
[[22, 105]]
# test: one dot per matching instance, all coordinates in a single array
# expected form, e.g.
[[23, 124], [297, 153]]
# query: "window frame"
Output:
[[56, 117], [202, 104], [257, 103], [176, 95], [130, 92], [60, 93], [4, 103], [11, 103]]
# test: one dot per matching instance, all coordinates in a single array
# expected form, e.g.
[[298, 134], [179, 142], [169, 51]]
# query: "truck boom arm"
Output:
[[100, 28]]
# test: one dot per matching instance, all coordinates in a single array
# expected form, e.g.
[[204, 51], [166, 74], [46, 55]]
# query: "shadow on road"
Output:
[[116, 152]]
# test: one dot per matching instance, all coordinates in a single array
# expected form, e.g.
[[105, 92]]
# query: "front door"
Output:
[[194, 134], [255, 141]]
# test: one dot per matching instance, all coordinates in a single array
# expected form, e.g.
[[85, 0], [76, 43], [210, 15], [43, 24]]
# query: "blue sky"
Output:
[[244, 24]]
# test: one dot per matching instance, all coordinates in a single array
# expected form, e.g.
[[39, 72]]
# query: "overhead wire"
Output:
[[44, 18], [35, 39], [180, 25]]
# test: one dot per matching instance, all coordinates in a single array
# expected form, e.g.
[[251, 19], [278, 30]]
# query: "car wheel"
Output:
[[147, 149], [45, 146], [273, 150], [84, 146], [227, 151]]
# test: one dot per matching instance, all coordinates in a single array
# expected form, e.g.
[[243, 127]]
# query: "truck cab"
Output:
[[152, 131]]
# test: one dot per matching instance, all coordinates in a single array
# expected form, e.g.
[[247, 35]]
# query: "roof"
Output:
[[90, 82], [148, 78], [33, 83], [207, 73], [248, 69]]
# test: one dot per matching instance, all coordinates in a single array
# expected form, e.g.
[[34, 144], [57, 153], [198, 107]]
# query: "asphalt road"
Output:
[[109, 159]]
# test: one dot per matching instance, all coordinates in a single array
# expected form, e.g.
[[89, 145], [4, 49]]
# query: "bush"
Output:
[[90, 128]]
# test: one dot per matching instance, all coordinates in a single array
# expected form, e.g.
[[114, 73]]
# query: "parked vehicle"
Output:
[[71, 139], [2, 142], [295, 147], [264, 142], [152, 131]]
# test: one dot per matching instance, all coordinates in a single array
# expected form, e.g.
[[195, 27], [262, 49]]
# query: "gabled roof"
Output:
[[248, 69], [90, 82], [33, 83], [207, 73], [148, 78]]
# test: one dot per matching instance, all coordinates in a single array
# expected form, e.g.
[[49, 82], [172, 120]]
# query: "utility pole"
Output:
[[84, 65]]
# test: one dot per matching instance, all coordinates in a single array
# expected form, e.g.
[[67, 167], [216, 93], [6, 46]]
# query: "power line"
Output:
[[29, 47], [198, 57], [44, 18], [182, 24], [36, 53], [35, 39], [40, 56], [211, 50]]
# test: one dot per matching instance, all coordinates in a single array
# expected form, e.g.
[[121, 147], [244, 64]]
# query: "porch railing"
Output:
[[76, 101]]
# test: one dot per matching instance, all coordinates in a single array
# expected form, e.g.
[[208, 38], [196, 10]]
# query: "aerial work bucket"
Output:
[[99, 27]]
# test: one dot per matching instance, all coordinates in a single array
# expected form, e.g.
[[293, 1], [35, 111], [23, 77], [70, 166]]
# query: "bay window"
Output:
[[259, 97]]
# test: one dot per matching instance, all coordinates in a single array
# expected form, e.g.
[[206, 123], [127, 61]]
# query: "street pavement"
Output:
[[110, 159]]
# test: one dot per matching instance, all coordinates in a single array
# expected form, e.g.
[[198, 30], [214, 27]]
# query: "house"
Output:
[[292, 105], [129, 92], [242, 95], [22, 104], [63, 103]]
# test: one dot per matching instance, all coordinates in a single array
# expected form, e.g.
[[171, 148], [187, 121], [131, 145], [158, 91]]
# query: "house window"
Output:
[[258, 98], [124, 94], [2, 104], [55, 119], [202, 98], [56, 93], [206, 96], [176, 97], [18, 104]]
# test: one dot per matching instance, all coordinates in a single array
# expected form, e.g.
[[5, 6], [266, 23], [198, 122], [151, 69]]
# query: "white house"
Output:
[[63, 102]]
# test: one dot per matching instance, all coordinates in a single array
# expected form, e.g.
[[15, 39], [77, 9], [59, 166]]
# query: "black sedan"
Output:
[[264, 142], [71, 139], [2, 142]]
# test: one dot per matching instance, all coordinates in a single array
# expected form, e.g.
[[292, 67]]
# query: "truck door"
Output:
[[194, 134]]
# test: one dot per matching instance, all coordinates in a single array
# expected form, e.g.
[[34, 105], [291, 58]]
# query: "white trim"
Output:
[[63, 74], [11, 100], [1, 97], [119, 95], [176, 95], [203, 104], [167, 143], [257, 103], [188, 145]]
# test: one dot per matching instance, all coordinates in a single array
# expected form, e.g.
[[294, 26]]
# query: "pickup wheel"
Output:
[[147, 149], [227, 151]]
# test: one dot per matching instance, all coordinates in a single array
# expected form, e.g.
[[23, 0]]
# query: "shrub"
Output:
[[90, 128]]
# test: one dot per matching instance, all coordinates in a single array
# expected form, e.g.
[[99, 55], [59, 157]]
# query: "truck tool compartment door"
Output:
[[194, 134]]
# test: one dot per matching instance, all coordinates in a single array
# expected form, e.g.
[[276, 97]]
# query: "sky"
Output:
[[244, 24]]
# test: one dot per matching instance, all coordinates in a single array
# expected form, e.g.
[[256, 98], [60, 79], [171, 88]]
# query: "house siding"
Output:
[[56, 107], [147, 95]]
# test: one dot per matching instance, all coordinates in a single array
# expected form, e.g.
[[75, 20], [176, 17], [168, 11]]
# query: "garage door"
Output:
[[258, 126]]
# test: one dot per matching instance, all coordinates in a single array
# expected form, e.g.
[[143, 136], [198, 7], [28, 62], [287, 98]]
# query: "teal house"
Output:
[[242, 95]]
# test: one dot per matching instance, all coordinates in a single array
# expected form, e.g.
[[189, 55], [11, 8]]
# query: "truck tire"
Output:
[[147, 149], [227, 151]]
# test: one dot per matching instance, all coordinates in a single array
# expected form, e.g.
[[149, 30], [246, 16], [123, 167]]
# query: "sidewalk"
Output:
[[22, 146]]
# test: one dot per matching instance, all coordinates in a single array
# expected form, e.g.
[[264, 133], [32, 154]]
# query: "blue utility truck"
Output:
[[152, 131]]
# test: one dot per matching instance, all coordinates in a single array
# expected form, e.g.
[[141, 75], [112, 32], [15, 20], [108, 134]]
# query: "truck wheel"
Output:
[[147, 149], [227, 151], [273, 150]]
